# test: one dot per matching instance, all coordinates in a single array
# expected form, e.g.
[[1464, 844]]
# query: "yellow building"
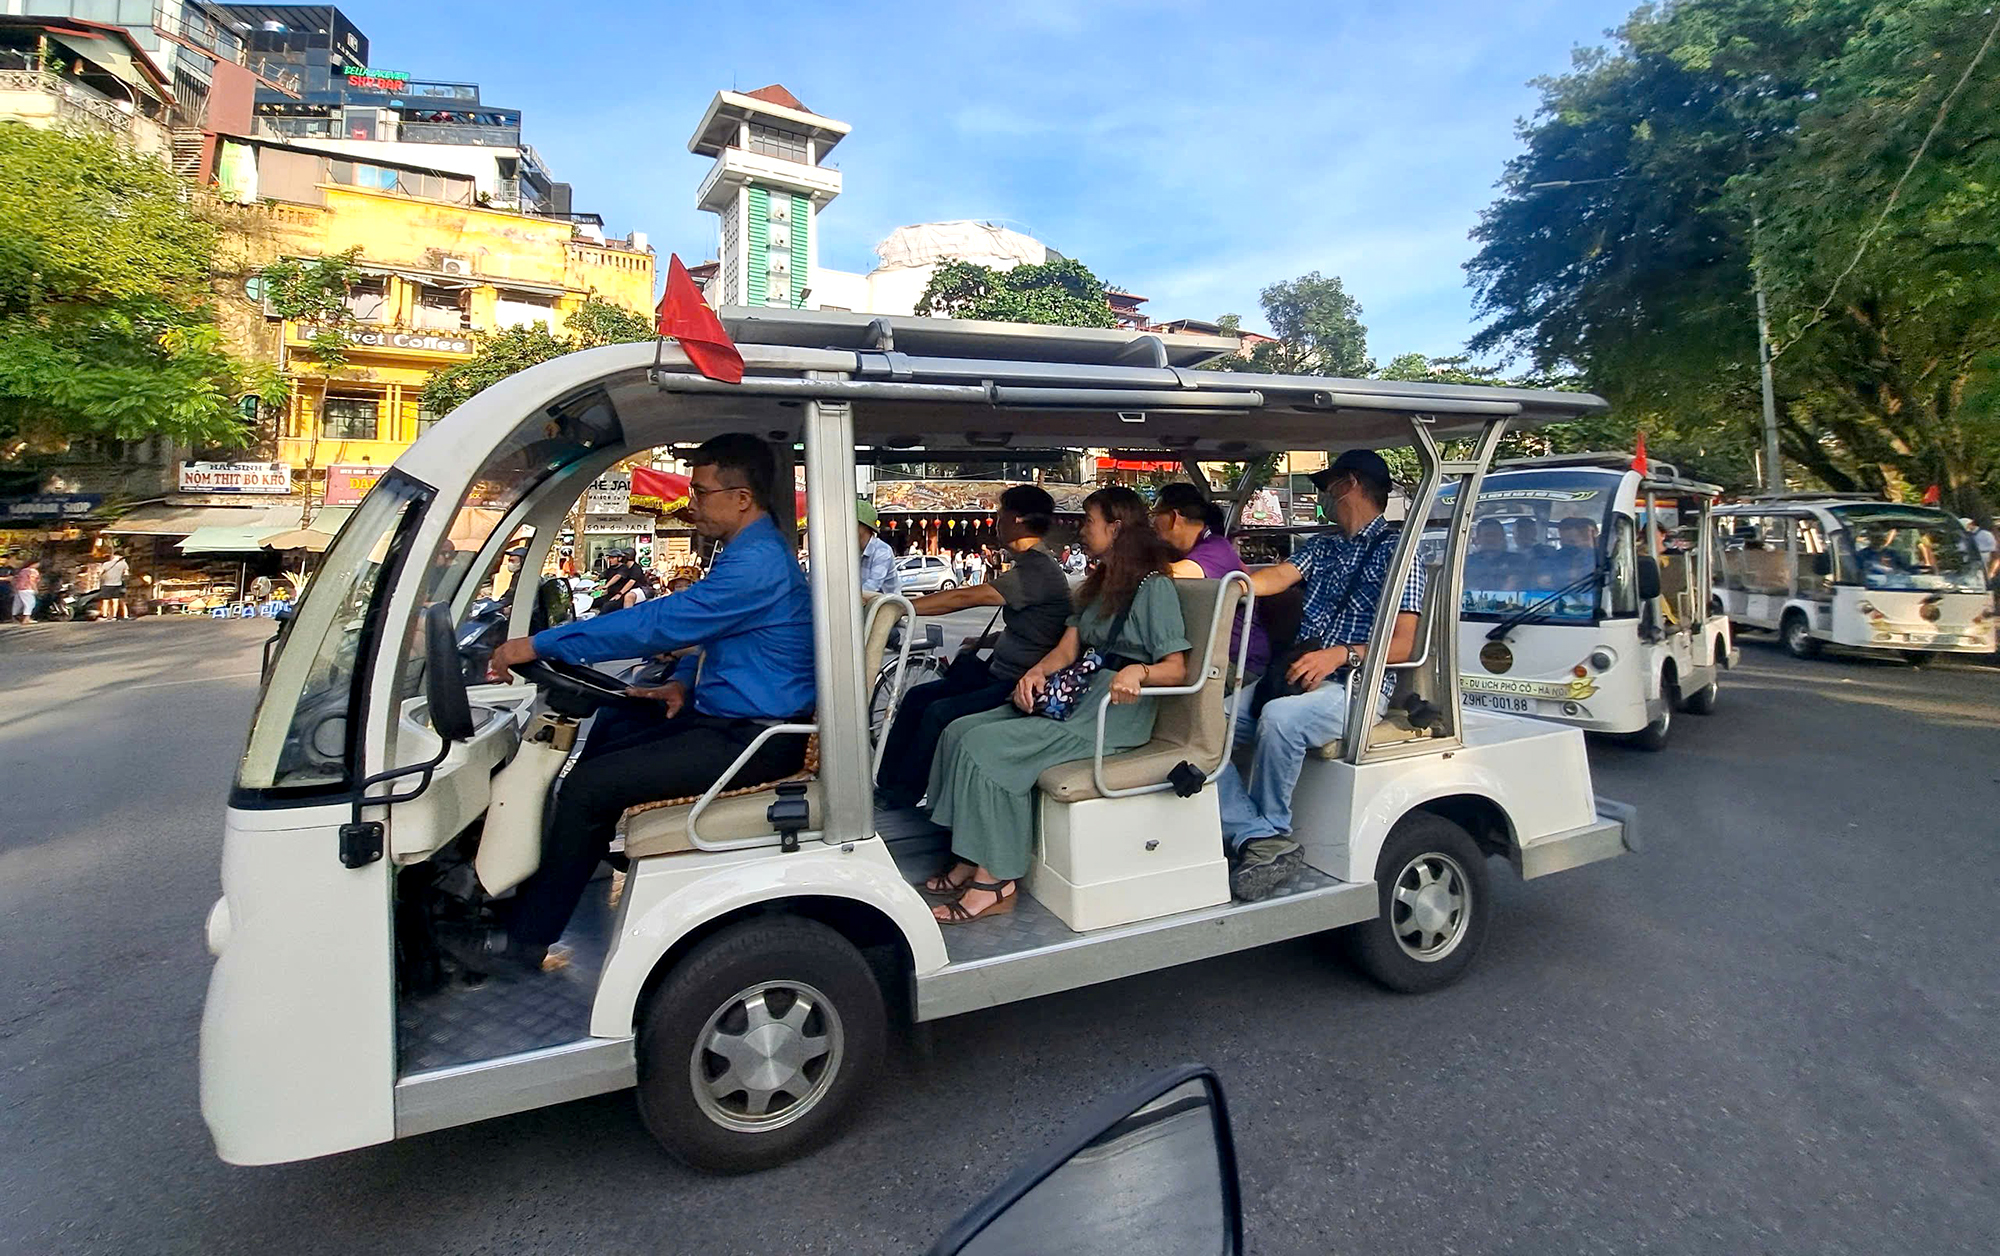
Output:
[[436, 270]]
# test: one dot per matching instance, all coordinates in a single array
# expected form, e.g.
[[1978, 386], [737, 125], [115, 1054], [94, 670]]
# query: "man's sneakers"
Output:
[[1261, 865], [491, 953]]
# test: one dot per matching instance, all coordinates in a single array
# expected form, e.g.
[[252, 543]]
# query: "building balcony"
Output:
[[40, 98], [737, 167], [455, 133]]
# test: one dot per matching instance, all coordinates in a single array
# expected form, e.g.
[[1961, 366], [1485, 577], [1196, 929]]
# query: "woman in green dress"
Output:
[[983, 778]]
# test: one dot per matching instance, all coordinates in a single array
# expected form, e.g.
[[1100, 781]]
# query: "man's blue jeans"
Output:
[[1287, 729]]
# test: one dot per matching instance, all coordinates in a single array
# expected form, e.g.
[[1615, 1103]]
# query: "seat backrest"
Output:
[[878, 622], [1198, 722]]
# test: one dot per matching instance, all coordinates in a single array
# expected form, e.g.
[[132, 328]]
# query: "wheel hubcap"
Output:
[[1430, 907], [766, 1056]]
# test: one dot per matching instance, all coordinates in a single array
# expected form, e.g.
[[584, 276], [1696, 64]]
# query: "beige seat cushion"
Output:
[[664, 830], [1191, 727]]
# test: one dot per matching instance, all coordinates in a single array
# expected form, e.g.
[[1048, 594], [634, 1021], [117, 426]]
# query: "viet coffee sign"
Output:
[[381, 338], [610, 494], [347, 484], [236, 477]]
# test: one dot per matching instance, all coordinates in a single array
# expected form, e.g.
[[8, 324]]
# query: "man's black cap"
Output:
[[1363, 464]]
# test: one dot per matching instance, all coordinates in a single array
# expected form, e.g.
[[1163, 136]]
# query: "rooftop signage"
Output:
[[369, 76]]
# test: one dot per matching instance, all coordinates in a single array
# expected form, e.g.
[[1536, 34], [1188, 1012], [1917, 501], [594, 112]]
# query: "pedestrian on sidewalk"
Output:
[[111, 576], [27, 584]]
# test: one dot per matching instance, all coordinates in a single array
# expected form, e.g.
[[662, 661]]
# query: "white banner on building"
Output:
[[236, 477], [609, 494], [617, 525]]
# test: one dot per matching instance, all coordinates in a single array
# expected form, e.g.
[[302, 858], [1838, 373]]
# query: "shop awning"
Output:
[[165, 520], [217, 539]]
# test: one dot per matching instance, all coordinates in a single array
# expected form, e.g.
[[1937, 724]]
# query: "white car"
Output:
[[925, 573]]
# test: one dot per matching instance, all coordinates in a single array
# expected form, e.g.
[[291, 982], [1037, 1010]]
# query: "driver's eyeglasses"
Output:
[[700, 492]]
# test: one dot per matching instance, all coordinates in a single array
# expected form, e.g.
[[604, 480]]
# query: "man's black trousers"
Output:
[[679, 757]]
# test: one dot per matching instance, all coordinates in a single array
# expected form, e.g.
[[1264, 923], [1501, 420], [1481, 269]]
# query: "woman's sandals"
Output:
[[1006, 893], [944, 886]]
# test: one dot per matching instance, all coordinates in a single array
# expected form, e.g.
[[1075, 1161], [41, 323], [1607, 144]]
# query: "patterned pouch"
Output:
[[1066, 687]]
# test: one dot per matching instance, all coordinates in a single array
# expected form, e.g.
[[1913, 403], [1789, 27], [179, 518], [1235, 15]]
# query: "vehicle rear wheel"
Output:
[[922, 669], [1431, 877], [753, 1048], [947, 584], [1796, 633]]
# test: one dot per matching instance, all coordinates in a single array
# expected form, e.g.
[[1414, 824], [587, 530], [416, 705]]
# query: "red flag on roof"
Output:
[[1639, 456], [1931, 496], [686, 318]]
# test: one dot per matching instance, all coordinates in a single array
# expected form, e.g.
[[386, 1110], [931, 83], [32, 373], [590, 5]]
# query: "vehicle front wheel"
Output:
[[753, 1048], [1702, 701], [1796, 633], [947, 584], [1431, 878], [1654, 735]]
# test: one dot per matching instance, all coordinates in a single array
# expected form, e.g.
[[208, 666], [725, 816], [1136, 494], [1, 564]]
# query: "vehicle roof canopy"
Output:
[[993, 386], [1660, 477]]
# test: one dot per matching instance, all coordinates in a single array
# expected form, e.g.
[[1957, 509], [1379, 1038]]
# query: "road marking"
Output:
[[195, 680]]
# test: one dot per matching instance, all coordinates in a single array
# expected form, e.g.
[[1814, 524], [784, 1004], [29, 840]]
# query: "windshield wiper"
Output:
[[1589, 578]]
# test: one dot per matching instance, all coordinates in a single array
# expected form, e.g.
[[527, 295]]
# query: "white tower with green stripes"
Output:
[[768, 186]]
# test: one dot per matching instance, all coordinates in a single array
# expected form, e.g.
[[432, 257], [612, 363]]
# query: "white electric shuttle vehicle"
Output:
[[1852, 571], [1578, 607], [744, 968]]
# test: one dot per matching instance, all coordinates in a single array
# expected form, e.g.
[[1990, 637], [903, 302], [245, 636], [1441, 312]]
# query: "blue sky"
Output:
[[1193, 153]]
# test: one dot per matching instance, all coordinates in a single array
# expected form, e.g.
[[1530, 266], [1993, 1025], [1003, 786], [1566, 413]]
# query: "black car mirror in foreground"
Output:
[[1152, 1170]]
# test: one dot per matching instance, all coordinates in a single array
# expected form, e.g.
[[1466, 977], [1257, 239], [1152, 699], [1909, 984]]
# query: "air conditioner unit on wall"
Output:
[[454, 266]]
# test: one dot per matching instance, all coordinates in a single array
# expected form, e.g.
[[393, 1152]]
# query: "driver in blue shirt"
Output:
[[752, 619]]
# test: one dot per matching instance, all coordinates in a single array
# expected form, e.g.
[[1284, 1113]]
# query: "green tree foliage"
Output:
[[1062, 292], [1318, 328], [502, 353], [1722, 132], [106, 325], [315, 292]]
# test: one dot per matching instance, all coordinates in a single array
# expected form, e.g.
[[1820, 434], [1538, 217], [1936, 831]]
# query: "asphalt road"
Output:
[[1773, 1031]]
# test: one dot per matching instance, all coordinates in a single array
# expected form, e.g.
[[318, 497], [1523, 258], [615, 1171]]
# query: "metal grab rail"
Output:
[[906, 610], [709, 795], [908, 613], [1207, 671]]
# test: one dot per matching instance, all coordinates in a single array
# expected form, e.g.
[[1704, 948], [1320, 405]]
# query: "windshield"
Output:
[[1536, 534], [301, 737], [1907, 547]]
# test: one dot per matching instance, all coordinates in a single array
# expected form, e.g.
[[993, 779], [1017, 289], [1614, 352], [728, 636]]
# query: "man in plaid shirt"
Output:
[[1344, 576]]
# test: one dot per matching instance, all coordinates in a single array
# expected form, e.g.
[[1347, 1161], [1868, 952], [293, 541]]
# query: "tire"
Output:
[[1702, 701], [947, 584], [774, 963], [1424, 851], [1654, 736], [1797, 636]]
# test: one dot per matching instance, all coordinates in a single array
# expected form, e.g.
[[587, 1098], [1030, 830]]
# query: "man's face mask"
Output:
[[1329, 497]]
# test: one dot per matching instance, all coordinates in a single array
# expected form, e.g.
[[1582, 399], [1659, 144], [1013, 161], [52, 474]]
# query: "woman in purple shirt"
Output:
[[1192, 524]]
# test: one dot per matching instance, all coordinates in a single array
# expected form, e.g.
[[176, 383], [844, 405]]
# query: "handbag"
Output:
[[1273, 684], [1067, 685]]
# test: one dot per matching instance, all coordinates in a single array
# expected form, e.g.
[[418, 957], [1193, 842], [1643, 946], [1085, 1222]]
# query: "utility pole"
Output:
[[1774, 470]]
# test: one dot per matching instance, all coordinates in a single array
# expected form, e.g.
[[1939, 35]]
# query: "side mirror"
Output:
[[1822, 564], [1649, 578], [444, 678], [1152, 1171]]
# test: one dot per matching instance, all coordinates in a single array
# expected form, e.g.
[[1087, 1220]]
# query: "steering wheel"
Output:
[[570, 688]]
